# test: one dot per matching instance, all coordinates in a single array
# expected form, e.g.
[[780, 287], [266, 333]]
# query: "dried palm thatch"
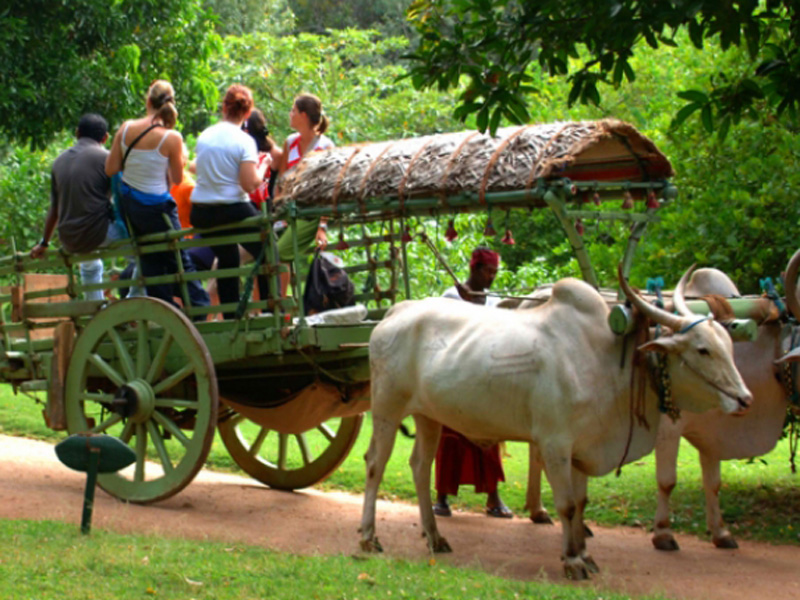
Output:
[[441, 165]]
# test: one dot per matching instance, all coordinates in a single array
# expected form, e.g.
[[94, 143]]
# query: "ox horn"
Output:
[[678, 301], [654, 313], [791, 285]]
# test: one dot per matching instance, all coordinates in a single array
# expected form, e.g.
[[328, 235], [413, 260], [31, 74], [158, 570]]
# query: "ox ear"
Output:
[[666, 345]]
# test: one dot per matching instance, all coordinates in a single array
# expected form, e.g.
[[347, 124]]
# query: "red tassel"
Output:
[[489, 231], [627, 204], [406, 237], [451, 232], [652, 201], [342, 244], [596, 198], [579, 227], [508, 239]]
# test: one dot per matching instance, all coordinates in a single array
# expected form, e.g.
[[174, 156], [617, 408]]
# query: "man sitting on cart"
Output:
[[459, 461], [80, 201]]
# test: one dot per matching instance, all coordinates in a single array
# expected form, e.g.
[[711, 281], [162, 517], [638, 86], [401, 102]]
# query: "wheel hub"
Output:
[[135, 400]]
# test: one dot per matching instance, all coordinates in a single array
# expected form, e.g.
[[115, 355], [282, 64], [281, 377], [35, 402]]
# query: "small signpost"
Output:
[[92, 454]]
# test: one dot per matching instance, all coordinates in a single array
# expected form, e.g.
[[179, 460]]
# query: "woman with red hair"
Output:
[[226, 173]]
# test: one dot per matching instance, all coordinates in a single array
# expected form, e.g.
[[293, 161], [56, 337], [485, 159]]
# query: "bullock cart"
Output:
[[285, 390]]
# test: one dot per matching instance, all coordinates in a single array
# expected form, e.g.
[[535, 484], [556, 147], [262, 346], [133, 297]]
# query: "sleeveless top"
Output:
[[296, 153], [146, 170]]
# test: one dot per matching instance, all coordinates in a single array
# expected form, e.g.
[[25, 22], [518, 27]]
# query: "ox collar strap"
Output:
[[692, 325], [663, 385]]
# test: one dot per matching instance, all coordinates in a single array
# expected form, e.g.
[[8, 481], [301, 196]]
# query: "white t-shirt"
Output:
[[221, 149], [452, 292]]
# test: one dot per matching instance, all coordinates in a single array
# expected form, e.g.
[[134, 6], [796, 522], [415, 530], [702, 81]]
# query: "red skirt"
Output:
[[460, 462]]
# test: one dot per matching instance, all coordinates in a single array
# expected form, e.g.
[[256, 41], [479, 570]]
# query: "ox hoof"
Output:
[[372, 545], [591, 566], [726, 543], [576, 571], [665, 541], [541, 518]]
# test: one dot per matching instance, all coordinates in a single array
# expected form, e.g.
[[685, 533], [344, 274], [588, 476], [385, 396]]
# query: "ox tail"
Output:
[[406, 431]]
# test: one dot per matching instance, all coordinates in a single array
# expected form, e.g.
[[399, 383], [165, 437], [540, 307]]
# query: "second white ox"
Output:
[[549, 375]]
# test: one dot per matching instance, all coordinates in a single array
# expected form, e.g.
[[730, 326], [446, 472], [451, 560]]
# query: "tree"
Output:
[[61, 59], [591, 42], [238, 17]]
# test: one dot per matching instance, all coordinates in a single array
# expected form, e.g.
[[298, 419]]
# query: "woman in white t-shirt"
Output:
[[226, 173]]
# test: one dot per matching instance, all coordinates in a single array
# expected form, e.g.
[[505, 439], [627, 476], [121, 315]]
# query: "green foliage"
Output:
[[238, 17], [593, 42], [360, 93], [319, 15], [59, 60], [25, 192]]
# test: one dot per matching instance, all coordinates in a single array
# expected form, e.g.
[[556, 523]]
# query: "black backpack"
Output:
[[327, 287]]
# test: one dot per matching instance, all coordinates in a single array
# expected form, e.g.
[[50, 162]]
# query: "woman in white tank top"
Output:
[[149, 152]]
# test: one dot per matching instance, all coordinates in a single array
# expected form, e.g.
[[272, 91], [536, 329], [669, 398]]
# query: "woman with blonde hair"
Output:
[[149, 152]]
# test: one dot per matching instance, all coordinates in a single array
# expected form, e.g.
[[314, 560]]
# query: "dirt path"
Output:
[[34, 485]]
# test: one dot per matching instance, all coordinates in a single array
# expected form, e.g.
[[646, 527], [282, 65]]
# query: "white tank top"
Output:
[[146, 170]]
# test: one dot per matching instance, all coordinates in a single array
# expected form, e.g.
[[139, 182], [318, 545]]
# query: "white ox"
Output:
[[549, 375], [716, 435]]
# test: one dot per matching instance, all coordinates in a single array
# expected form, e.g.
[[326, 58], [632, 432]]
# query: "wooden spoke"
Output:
[[175, 403], [108, 423], [173, 379], [284, 438], [107, 369], [301, 443], [172, 428], [98, 397], [326, 431], [127, 431], [259, 442], [158, 361], [158, 442], [125, 360], [142, 350], [141, 452]]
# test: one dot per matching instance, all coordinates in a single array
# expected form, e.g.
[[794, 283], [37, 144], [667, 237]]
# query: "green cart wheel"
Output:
[[288, 461], [140, 371]]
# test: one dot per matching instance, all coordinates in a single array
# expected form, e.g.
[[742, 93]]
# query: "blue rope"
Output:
[[688, 327]]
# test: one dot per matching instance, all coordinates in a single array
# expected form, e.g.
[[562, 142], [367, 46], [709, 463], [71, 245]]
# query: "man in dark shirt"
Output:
[[80, 206]]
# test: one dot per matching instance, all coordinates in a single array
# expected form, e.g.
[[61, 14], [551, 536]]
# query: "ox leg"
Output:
[[559, 471], [579, 530], [712, 480], [533, 499], [425, 444], [667, 446], [380, 448]]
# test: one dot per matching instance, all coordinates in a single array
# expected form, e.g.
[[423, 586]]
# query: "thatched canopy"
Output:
[[445, 164]]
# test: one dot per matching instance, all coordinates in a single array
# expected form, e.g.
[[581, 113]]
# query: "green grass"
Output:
[[50, 561], [759, 498]]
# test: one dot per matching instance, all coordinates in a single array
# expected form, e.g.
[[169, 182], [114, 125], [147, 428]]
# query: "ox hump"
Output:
[[579, 295], [711, 281]]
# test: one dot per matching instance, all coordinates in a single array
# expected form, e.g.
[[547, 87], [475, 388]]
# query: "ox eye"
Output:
[[704, 352]]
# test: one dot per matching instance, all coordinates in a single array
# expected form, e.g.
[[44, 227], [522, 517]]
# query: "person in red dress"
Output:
[[458, 460]]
